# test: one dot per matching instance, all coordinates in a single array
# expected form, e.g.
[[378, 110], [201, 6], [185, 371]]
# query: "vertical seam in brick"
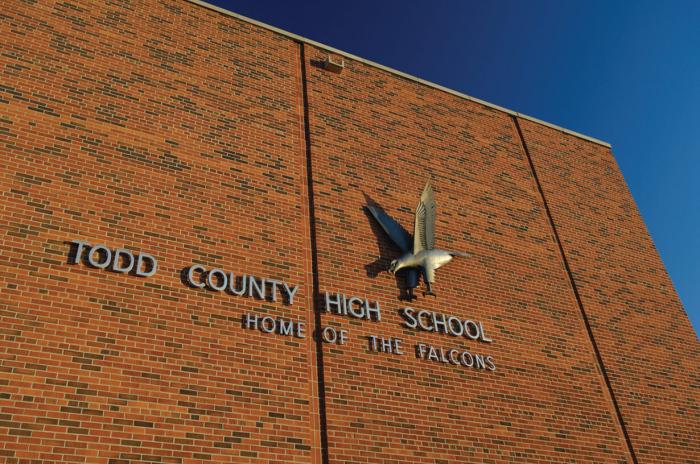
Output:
[[579, 302], [315, 342]]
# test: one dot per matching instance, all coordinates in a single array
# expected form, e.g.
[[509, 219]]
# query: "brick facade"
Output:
[[172, 129]]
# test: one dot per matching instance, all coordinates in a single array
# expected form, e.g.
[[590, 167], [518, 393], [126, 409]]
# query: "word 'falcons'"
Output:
[[419, 251]]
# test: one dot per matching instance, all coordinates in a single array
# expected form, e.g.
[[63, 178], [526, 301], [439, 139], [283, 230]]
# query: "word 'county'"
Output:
[[242, 285]]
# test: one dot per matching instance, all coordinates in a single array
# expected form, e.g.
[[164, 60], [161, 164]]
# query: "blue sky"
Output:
[[627, 72]]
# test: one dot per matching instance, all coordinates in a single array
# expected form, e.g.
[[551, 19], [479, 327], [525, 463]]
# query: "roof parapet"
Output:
[[394, 71]]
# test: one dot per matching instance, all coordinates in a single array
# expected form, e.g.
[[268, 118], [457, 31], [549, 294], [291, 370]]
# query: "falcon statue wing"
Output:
[[424, 225], [393, 229]]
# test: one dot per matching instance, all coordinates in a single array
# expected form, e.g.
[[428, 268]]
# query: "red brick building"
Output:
[[185, 139]]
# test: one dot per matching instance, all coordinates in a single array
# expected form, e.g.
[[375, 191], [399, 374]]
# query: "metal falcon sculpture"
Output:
[[419, 251]]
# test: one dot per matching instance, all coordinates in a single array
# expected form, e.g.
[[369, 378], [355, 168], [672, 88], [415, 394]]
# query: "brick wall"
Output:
[[171, 129], [647, 344], [375, 135]]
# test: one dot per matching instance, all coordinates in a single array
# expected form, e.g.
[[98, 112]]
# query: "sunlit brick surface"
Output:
[[164, 127]]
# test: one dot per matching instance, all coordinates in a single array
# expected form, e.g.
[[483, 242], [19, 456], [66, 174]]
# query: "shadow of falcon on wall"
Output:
[[419, 251]]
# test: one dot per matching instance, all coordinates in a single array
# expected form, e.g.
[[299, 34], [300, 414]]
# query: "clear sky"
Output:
[[627, 72]]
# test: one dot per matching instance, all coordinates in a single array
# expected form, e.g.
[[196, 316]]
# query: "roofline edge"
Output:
[[394, 71]]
